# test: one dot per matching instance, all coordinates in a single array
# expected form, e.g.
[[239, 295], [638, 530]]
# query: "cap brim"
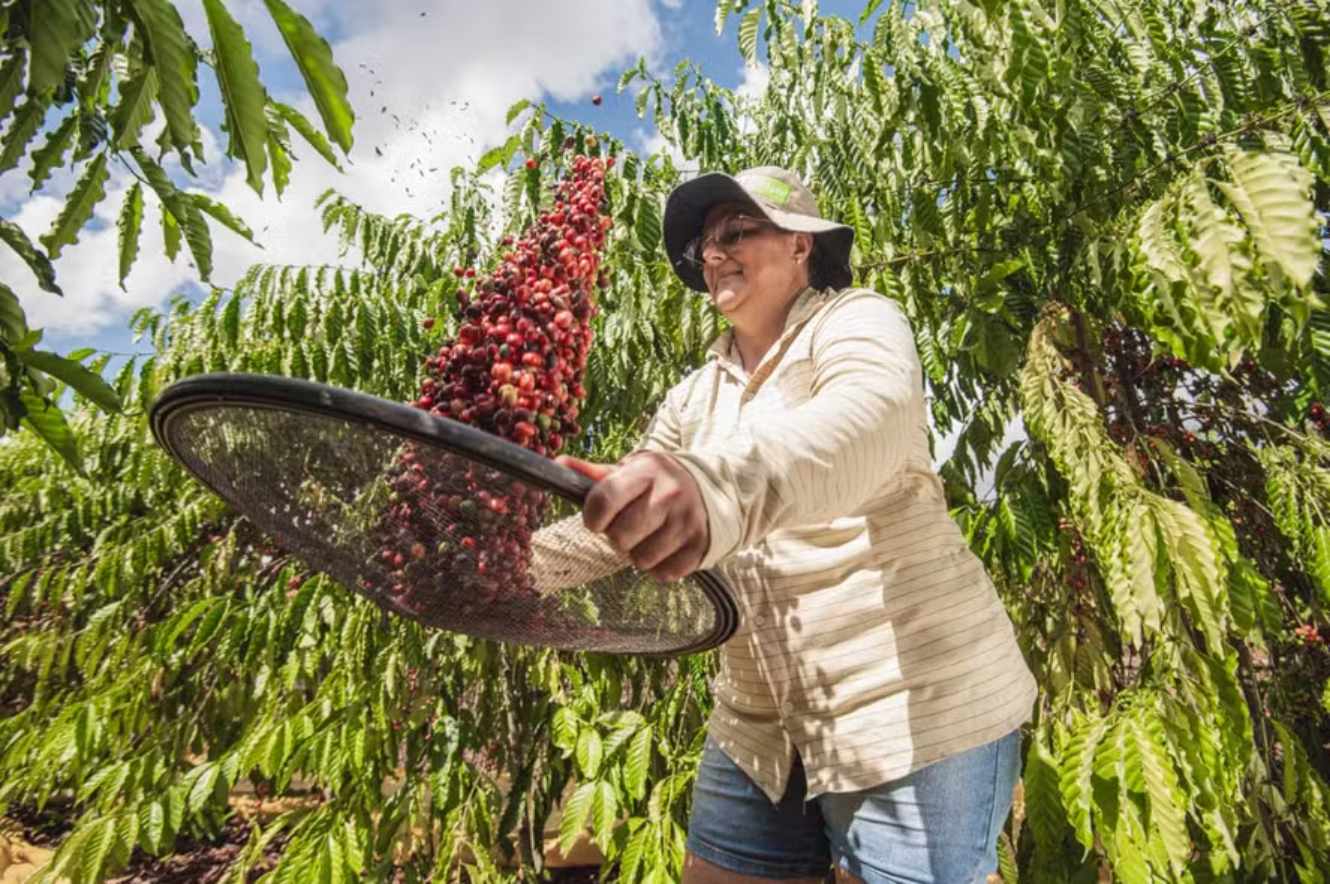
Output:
[[688, 205]]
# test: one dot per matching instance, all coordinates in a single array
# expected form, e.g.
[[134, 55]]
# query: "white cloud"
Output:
[[756, 78], [654, 142], [88, 269], [430, 92]]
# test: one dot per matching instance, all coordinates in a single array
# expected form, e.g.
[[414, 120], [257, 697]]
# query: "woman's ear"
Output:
[[803, 247]]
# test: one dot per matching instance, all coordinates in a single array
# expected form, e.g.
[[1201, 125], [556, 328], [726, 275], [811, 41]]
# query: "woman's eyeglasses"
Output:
[[726, 236]]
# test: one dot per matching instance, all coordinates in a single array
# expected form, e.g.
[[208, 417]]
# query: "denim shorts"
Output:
[[938, 824]]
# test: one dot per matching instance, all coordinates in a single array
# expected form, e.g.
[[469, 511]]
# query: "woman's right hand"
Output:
[[650, 509]]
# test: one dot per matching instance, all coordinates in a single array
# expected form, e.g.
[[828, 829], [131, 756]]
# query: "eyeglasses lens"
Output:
[[726, 236]]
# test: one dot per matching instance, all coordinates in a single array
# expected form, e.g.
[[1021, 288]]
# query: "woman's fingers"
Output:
[[610, 495], [595, 471], [662, 543], [638, 521], [683, 562]]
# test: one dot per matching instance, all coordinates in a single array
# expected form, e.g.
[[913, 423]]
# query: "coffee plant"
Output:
[[103, 71], [1106, 222]]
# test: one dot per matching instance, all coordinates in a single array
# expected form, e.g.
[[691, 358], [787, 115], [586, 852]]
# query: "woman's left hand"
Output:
[[651, 510]]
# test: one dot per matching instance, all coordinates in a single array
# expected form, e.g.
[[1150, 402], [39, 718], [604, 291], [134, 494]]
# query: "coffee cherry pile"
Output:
[[515, 370]]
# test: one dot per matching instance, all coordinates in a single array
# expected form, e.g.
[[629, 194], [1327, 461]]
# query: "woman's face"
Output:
[[760, 271]]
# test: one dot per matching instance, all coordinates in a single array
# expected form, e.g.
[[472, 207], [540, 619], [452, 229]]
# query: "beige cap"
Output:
[[774, 193]]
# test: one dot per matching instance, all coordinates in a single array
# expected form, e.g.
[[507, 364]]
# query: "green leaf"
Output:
[[575, 812], [622, 724], [13, 322], [11, 78], [126, 836], [128, 226], [1043, 802], [1008, 869], [170, 235], [564, 730], [631, 857], [1078, 758], [648, 226], [100, 843], [994, 346], [1167, 815], [1201, 576], [589, 751], [989, 295], [722, 12], [638, 762], [231, 320], [203, 786], [48, 422], [176, 66], [1270, 191], [13, 236], [79, 205], [243, 95], [27, 121], [56, 30], [748, 26], [1215, 239], [869, 9], [134, 109], [221, 214], [301, 124], [87, 383], [498, 156], [180, 215], [863, 231], [604, 810], [279, 156], [516, 108], [152, 827], [325, 81], [52, 153]]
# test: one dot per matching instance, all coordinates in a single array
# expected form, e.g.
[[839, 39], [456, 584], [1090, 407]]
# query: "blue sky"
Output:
[[430, 81]]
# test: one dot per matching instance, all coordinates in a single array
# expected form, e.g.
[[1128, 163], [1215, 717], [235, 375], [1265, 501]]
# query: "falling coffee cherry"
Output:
[[596, 99], [454, 534]]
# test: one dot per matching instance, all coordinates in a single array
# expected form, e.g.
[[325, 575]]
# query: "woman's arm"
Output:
[[676, 512], [826, 457]]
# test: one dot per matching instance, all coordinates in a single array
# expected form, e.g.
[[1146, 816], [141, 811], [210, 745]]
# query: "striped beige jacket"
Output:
[[872, 641]]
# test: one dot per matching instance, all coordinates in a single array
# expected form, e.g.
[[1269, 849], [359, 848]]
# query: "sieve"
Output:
[[430, 518]]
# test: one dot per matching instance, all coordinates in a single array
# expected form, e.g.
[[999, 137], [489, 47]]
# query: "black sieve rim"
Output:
[[225, 389]]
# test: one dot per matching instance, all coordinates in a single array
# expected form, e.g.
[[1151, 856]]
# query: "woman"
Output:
[[868, 708]]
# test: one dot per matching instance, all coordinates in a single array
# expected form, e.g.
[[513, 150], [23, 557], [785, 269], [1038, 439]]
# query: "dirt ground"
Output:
[[193, 862]]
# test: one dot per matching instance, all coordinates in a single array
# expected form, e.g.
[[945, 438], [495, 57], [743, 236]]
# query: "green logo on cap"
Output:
[[770, 189]]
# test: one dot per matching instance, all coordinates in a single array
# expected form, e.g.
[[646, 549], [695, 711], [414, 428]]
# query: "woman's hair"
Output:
[[823, 272]]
